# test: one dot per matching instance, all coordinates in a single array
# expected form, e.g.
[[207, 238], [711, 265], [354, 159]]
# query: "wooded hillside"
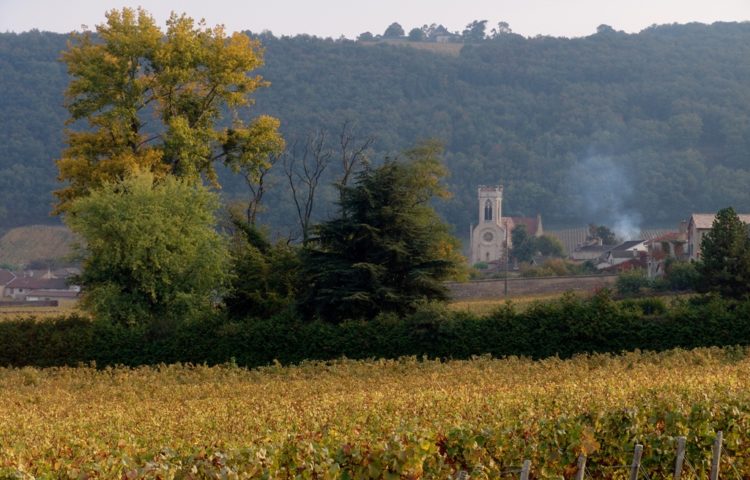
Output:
[[643, 127]]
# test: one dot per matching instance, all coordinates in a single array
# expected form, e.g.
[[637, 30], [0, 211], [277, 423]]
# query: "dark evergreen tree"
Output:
[[388, 249], [524, 246], [725, 256], [264, 275]]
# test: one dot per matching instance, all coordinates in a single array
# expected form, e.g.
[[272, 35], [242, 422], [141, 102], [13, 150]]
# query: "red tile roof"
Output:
[[6, 276], [36, 283], [532, 223]]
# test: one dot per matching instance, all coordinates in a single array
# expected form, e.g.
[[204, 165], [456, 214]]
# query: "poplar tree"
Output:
[[148, 100]]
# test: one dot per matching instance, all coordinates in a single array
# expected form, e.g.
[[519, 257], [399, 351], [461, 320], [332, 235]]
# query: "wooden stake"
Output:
[[680, 457], [636, 462], [581, 467], [716, 456], [525, 470]]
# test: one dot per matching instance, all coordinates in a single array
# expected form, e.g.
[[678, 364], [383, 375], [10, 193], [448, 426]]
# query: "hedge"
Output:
[[561, 328]]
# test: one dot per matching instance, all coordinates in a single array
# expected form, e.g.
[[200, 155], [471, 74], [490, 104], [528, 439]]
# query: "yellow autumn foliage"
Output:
[[402, 419]]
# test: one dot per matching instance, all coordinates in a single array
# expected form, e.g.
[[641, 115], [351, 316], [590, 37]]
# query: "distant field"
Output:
[[483, 307], [22, 245], [64, 308], [452, 49]]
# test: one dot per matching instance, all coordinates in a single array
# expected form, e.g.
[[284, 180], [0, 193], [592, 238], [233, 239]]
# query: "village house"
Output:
[[589, 251], [663, 247], [6, 276], [625, 256], [698, 225], [21, 287], [37, 285]]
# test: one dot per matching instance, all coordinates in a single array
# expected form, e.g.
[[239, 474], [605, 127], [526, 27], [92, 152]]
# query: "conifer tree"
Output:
[[725, 256], [388, 249]]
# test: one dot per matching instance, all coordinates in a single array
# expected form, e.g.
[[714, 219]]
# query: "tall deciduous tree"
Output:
[[603, 233], [549, 246], [150, 251], [475, 31], [152, 100], [416, 35], [394, 30], [725, 256], [388, 249], [304, 166]]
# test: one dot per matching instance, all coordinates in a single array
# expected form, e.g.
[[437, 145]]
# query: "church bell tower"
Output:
[[488, 236]]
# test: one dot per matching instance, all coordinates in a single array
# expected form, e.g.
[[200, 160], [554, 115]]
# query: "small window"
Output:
[[487, 211]]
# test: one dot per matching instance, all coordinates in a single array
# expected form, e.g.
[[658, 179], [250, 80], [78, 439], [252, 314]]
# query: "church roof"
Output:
[[533, 224]]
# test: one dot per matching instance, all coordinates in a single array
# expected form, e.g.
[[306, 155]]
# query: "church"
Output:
[[491, 237]]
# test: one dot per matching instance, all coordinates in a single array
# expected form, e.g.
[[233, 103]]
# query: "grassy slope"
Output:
[[22, 245]]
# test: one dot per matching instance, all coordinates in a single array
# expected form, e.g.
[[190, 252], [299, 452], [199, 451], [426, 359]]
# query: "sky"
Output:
[[334, 18]]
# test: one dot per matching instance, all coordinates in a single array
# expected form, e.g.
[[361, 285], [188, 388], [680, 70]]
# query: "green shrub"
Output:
[[631, 283], [682, 276], [646, 306]]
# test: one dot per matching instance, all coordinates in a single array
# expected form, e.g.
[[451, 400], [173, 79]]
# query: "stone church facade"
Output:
[[491, 237]]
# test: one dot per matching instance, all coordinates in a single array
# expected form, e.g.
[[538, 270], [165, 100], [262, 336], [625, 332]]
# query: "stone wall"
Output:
[[495, 289]]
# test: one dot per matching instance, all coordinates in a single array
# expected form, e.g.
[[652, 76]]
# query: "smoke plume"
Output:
[[602, 192]]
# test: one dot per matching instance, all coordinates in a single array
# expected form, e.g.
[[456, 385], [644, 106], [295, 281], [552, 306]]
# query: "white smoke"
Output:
[[601, 192]]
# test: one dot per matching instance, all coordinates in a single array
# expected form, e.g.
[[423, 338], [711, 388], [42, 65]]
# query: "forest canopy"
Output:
[[653, 125]]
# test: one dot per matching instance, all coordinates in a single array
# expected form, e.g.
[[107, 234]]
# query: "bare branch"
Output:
[[155, 137], [352, 155], [304, 170], [257, 185]]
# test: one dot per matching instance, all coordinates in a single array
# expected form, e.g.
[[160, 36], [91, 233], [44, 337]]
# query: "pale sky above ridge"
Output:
[[333, 18]]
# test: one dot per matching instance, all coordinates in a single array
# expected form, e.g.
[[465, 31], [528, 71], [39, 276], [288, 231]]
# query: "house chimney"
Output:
[[683, 226]]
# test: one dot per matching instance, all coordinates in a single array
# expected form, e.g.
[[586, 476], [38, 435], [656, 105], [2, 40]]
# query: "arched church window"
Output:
[[487, 211]]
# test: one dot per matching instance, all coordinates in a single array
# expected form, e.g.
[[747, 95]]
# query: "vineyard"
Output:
[[392, 419]]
